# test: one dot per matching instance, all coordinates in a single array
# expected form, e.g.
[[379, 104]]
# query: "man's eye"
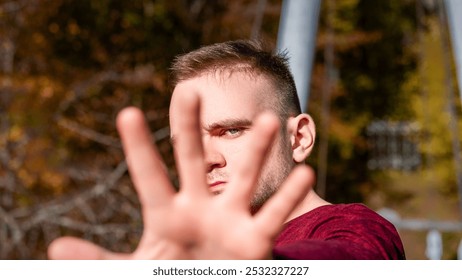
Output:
[[233, 132]]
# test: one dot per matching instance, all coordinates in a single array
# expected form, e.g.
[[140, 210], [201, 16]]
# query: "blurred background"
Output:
[[382, 92]]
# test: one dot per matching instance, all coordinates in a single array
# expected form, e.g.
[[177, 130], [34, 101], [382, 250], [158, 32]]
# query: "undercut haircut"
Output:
[[242, 55]]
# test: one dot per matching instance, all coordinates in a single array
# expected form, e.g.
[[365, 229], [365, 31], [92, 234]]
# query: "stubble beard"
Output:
[[273, 175]]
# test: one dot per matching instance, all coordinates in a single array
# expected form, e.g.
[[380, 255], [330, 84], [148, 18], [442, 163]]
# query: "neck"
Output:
[[310, 202]]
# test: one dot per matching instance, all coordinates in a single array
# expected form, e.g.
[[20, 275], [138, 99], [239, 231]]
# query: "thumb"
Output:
[[71, 248]]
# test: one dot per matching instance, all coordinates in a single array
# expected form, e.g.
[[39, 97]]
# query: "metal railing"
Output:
[[434, 245]]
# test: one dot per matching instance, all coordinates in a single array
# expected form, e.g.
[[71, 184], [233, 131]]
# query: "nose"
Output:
[[214, 158]]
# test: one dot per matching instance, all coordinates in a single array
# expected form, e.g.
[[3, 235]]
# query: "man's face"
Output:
[[230, 103]]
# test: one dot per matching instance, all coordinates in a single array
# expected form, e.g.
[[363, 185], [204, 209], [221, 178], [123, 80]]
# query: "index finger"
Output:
[[146, 167], [247, 173], [189, 151]]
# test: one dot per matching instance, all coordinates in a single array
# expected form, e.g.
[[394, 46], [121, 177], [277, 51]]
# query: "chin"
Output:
[[217, 192], [254, 208]]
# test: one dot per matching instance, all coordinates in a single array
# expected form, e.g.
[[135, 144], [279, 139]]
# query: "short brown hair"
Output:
[[248, 56]]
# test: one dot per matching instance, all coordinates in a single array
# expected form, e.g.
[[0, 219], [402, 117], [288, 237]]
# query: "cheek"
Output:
[[279, 157], [235, 151], [233, 148]]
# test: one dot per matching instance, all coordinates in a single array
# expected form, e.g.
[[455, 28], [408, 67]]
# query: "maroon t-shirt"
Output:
[[339, 232]]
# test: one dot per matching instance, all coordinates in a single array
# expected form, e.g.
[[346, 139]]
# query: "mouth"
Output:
[[216, 183], [217, 187]]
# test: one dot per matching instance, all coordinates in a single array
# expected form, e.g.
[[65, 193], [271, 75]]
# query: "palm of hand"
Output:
[[210, 232], [193, 223]]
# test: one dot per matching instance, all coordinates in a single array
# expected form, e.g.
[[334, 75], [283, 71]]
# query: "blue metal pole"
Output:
[[454, 35], [454, 12], [297, 35]]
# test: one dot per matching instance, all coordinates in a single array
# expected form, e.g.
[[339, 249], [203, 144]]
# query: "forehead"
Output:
[[225, 95]]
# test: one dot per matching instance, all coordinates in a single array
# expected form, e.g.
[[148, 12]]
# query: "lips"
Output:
[[216, 183], [217, 187]]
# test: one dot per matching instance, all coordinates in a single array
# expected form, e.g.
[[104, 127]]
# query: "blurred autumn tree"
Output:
[[373, 59], [393, 70], [68, 67]]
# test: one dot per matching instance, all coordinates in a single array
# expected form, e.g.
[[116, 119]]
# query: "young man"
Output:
[[240, 141]]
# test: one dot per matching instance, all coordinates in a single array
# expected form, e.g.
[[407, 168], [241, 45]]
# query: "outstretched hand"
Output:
[[193, 223]]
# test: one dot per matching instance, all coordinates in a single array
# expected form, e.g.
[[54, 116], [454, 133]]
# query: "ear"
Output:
[[302, 132]]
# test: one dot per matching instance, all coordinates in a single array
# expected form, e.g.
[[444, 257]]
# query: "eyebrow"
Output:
[[232, 122], [226, 123]]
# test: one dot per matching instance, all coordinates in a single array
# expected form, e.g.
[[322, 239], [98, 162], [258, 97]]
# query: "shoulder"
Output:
[[347, 208], [355, 216], [339, 213], [352, 224]]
